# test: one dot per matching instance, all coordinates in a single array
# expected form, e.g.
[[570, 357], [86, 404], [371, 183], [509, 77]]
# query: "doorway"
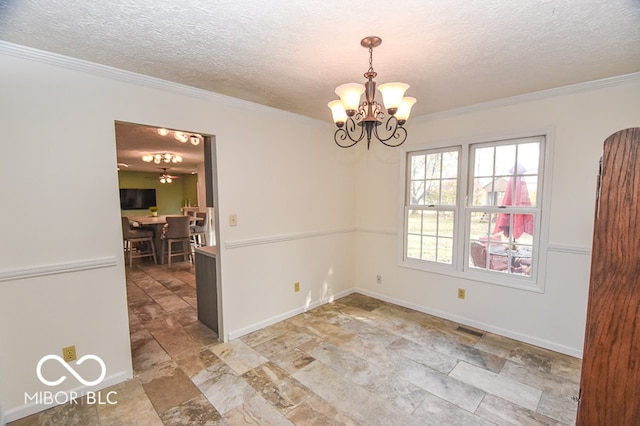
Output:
[[147, 153]]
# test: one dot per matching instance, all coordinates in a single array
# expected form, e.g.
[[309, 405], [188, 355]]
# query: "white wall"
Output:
[[279, 172], [297, 197], [555, 319]]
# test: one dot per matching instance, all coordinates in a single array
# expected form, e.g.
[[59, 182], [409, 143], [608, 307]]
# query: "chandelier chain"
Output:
[[370, 60]]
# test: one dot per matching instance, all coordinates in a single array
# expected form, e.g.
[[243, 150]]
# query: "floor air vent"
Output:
[[469, 331]]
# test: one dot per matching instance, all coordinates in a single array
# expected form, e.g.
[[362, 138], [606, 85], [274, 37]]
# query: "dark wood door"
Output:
[[610, 382]]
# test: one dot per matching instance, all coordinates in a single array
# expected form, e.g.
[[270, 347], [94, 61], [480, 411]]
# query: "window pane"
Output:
[[449, 192], [429, 245], [432, 192], [483, 165], [414, 222], [480, 225], [417, 193], [417, 167], [445, 250], [445, 224], [486, 191], [414, 246], [529, 157], [450, 164], [433, 166], [505, 160], [430, 224], [531, 183]]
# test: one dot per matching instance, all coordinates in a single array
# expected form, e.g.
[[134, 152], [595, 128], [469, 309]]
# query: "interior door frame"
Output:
[[211, 190]]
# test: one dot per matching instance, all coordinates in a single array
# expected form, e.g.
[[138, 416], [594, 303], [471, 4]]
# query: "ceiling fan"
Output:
[[167, 178]]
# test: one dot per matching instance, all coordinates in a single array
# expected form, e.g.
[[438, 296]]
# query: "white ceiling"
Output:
[[291, 55]]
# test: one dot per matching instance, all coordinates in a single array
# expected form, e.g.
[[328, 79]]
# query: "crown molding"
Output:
[[113, 73], [50, 58], [534, 96]]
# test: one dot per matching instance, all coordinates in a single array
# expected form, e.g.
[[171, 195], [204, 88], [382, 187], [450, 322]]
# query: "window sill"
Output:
[[486, 277]]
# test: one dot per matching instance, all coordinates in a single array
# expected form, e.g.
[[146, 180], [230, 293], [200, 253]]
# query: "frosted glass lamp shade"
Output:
[[392, 94], [405, 109], [350, 94], [338, 112]]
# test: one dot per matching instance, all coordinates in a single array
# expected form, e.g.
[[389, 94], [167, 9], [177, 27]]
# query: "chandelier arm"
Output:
[[348, 131], [341, 135], [394, 130]]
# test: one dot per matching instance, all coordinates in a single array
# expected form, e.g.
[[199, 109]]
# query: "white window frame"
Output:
[[459, 267], [438, 207]]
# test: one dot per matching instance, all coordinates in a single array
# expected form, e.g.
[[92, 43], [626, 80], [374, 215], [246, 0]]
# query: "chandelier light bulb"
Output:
[[195, 139], [181, 137], [169, 179], [162, 179], [147, 158], [163, 132]]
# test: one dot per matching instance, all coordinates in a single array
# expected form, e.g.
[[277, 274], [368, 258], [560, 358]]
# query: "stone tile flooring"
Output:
[[356, 361]]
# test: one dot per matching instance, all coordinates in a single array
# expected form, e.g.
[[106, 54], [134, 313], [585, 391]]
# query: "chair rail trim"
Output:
[[57, 268]]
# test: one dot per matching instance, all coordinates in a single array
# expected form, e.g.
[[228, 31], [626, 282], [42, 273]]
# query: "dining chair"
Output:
[[199, 230], [177, 231], [135, 240]]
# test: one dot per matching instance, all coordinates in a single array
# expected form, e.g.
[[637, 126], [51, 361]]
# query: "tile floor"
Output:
[[356, 361]]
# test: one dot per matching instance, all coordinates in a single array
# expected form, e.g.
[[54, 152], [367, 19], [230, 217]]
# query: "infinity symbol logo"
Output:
[[71, 370]]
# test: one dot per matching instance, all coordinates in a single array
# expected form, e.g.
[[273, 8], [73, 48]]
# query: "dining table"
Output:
[[156, 223]]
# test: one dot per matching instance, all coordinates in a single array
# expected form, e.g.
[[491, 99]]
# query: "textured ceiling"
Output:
[[291, 55]]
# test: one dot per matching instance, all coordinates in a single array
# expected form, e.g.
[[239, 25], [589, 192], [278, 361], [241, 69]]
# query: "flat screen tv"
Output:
[[134, 199]]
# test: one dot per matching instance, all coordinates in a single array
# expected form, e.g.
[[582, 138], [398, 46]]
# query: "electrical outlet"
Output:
[[233, 220], [379, 279], [296, 286], [461, 293], [69, 353]]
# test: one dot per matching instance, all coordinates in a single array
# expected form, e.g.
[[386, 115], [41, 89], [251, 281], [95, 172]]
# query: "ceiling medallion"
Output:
[[349, 114]]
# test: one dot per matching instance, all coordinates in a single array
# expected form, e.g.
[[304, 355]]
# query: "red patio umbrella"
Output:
[[521, 222]]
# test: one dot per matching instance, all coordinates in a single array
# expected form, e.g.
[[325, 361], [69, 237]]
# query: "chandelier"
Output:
[[356, 120], [183, 137], [164, 157]]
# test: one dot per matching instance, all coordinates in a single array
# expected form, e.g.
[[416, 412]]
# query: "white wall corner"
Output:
[[292, 313]]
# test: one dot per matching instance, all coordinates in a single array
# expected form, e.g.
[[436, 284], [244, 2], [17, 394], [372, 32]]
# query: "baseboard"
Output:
[[479, 325], [292, 313], [32, 408]]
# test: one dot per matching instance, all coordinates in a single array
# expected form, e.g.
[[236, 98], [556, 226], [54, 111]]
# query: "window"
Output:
[[431, 211], [476, 210]]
